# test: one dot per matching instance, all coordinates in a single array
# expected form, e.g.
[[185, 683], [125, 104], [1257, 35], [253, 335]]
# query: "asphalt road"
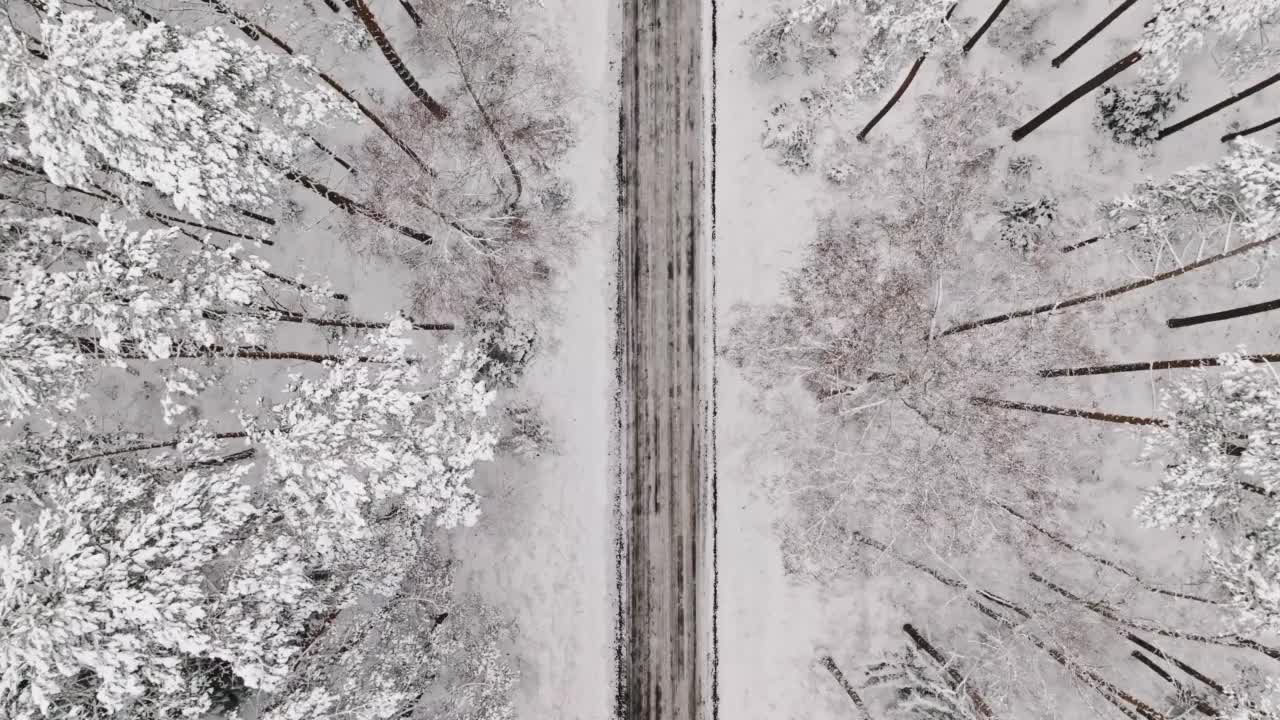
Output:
[[665, 658]]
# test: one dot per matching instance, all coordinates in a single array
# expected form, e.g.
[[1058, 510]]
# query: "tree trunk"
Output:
[[1201, 706], [1106, 689], [1156, 365], [1089, 86], [1224, 314], [86, 221], [299, 318], [413, 14], [355, 207], [293, 317], [90, 346], [1232, 640], [985, 26], [1250, 130], [254, 216], [20, 167], [1068, 412], [493, 128], [336, 158], [1093, 32], [1190, 671], [897, 95], [377, 122], [126, 450], [831, 667], [953, 676], [1102, 560], [361, 11], [1257, 87], [46, 208], [1109, 691], [235, 457], [1106, 294], [1155, 668], [257, 32], [1089, 241], [1076, 246]]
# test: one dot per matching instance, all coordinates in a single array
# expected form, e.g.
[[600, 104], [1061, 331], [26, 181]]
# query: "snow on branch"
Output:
[[205, 119]]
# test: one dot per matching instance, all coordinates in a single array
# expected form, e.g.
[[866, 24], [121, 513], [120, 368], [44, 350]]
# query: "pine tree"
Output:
[[108, 606], [1211, 487], [206, 120], [378, 429]]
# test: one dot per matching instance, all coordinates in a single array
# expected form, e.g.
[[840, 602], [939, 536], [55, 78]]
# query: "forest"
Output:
[[407, 359], [229, 461], [1018, 374]]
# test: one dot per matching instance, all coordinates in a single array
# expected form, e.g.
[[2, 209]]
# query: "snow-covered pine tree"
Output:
[[1133, 115], [127, 586], [1234, 200], [1220, 447], [378, 432], [197, 580], [207, 121], [1233, 29], [80, 298]]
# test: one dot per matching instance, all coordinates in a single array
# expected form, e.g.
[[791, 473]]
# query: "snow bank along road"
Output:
[[665, 650]]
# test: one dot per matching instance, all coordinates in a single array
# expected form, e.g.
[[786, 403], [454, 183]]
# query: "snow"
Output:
[[542, 551], [770, 630], [774, 628]]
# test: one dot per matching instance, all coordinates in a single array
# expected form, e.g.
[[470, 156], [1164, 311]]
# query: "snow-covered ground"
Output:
[[544, 551]]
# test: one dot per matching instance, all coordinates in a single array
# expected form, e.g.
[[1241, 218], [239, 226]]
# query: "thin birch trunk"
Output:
[[1103, 687], [1089, 241], [257, 32], [516, 177], [333, 155], [301, 319], [125, 451], [86, 221], [22, 168], [1201, 706]]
